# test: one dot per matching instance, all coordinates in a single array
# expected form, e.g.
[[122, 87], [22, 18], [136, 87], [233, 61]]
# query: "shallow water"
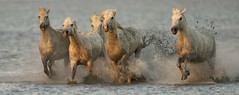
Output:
[[21, 70], [100, 89]]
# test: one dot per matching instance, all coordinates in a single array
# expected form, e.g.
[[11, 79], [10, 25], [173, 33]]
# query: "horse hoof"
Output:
[[70, 82], [184, 77], [187, 73]]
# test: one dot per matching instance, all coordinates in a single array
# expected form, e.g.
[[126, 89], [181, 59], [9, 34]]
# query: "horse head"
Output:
[[108, 17], [69, 27], [178, 20], [43, 18]]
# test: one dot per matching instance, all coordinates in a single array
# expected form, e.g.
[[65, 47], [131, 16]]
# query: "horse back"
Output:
[[133, 37]]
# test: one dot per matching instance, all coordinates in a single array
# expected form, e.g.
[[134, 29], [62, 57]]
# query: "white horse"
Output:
[[53, 46], [97, 26], [192, 46], [121, 42], [84, 49]]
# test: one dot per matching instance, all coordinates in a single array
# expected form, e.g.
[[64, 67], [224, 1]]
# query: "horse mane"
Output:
[[177, 10], [74, 23], [180, 11], [118, 25], [41, 9]]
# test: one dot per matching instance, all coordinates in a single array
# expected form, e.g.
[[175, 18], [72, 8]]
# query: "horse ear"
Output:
[[102, 14], [90, 19], [74, 23], [48, 10], [173, 10], [184, 10], [114, 11]]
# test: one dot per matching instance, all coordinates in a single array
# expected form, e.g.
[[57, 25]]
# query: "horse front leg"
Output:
[[186, 73], [89, 64], [66, 63], [113, 64], [73, 72], [52, 72], [122, 61], [44, 62], [179, 62]]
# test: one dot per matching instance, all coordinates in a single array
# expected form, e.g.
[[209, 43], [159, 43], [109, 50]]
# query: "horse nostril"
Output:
[[66, 32], [44, 26]]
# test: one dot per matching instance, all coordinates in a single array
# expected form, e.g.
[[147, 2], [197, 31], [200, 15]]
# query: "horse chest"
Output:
[[78, 54], [114, 52], [46, 47], [183, 48]]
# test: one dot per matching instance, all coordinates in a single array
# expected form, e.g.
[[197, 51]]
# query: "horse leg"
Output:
[[50, 63], [122, 61], [66, 63], [89, 64], [186, 73], [44, 62], [113, 64], [73, 72], [179, 66], [52, 72], [180, 61]]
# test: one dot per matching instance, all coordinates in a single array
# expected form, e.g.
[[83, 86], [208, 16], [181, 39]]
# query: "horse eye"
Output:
[[46, 16], [180, 18], [92, 26], [63, 25], [71, 24], [38, 16], [112, 18]]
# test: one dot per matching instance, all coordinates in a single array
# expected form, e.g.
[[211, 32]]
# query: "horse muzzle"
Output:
[[65, 33], [106, 28], [174, 30], [43, 27]]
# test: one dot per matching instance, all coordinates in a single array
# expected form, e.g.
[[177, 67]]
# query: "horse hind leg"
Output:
[[222, 77]]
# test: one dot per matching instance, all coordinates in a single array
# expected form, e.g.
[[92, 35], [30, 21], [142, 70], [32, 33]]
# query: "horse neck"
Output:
[[183, 34], [111, 36], [47, 32], [75, 39]]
